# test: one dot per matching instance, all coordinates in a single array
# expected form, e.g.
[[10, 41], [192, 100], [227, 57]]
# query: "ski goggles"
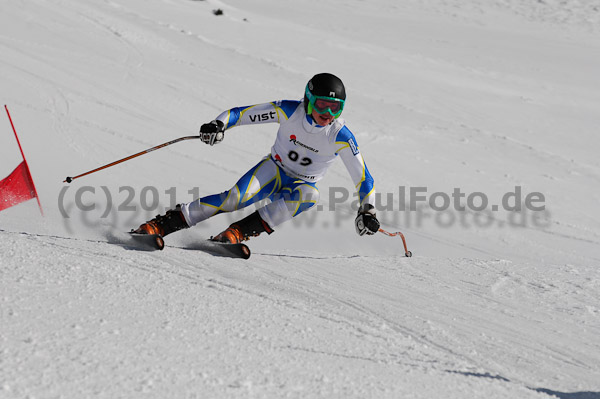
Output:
[[322, 104]]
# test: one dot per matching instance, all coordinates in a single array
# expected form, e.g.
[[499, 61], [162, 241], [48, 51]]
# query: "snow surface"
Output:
[[442, 94]]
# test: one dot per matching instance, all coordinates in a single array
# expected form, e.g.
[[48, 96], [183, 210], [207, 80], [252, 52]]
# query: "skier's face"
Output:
[[322, 119]]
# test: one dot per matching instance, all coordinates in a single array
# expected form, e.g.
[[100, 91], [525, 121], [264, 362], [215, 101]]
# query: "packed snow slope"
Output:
[[495, 99]]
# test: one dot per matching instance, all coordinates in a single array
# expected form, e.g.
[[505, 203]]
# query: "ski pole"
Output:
[[407, 253], [70, 179]]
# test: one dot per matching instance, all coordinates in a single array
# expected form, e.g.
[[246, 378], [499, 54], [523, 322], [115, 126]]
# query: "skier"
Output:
[[310, 136]]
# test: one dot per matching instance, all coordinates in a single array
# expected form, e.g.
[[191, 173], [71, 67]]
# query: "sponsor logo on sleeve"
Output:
[[263, 117], [353, 146]]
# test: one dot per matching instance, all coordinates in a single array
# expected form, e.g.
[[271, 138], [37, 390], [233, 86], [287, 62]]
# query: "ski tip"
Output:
[[153, 240], [245, 251], [227, 249], [159, 242]]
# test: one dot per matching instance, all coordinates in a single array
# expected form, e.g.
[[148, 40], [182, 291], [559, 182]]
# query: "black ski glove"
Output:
[[212, 132], [366, 221]]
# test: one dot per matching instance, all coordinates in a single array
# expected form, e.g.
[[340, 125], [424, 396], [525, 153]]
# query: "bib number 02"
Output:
[[293, 155]]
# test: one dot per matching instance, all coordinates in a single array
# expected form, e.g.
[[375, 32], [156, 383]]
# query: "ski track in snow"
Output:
[[376, 318], [441, 93]]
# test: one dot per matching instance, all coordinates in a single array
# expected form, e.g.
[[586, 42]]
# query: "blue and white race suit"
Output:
[[300, 157]]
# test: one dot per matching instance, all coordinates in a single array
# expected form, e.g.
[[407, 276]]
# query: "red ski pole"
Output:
[[70, 179], [407, 253]]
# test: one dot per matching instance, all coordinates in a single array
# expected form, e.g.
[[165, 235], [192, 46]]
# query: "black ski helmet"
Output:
[[327, 85]]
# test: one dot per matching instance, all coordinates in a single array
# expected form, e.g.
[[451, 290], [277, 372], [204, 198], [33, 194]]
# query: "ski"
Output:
[[156, 242], [148, 241], [226, 249]]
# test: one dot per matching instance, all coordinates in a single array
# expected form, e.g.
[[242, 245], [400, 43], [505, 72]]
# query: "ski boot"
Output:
[[162, 225], [250, 226]]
